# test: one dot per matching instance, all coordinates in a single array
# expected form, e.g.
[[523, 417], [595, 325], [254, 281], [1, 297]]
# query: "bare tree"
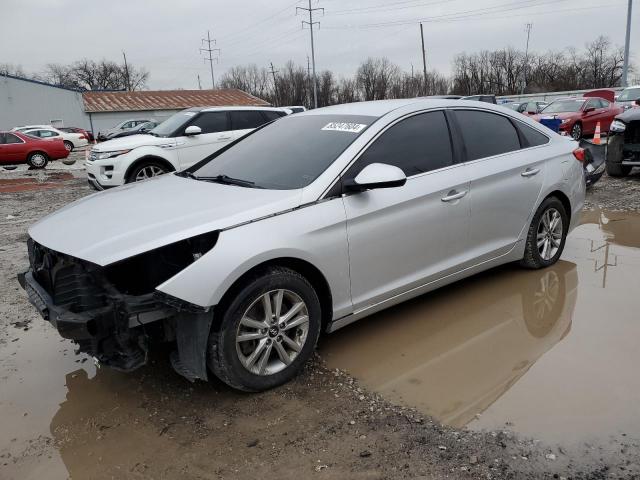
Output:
[[88, 74]]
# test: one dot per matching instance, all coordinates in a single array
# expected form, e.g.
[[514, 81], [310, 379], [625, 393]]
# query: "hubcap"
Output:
[[37, 160], [549, 234], [148, 172], [68, 146], [272, 332]]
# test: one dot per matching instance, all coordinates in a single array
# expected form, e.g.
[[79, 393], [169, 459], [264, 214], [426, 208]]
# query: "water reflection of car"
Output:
[[623, 149], [580, 115], [453, 353]]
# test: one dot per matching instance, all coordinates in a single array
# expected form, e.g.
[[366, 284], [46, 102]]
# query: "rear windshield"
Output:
[[287, 154], [561, 106]]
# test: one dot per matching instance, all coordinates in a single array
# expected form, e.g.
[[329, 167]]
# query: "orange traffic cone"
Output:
[[596, 135]]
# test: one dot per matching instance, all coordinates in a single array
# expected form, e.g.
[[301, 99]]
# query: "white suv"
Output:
[[177, 143]]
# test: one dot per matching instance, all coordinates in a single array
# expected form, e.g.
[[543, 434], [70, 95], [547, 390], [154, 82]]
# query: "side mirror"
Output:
[[377, 175], [192, 130], [589, 109], [638, 102]]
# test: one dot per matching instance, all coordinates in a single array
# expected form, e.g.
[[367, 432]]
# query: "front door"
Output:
[[506, 180], [215, 135], [401, 238]]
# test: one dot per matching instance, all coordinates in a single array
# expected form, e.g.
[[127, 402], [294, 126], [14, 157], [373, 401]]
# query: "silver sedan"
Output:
[[307, 224]]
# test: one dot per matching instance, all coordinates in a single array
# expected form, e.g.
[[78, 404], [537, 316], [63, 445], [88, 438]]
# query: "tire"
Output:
[[576, 131], [244, 364], [37, 160], [549, 252], [146, 169], [617, 169], [68, 145]]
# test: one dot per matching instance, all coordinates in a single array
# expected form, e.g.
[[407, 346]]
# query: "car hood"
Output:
[[132, 141], [116, 224], [561, 115], [629, 115]]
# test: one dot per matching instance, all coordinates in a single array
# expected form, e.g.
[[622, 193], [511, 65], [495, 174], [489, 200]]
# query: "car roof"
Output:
[[234, 107]]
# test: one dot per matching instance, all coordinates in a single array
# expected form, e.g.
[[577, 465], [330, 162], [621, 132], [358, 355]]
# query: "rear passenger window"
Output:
[[248, 119], [272, 115], [486, 134], [532, 136], [211, 122], [420, 143], [11, 138]]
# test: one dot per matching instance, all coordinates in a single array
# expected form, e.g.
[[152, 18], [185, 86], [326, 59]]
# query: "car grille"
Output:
[[66, 279], [632, 132]]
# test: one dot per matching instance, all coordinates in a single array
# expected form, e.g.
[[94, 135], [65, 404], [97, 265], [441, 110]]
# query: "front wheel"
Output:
[[576, 132], [267, 332], [617, 169], [145, 170], [547, 235]]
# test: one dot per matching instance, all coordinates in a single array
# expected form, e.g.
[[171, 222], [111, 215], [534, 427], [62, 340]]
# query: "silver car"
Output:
[[305, 225]]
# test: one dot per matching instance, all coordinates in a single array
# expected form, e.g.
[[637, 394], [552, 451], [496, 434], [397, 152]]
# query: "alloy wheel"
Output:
[[576, 132], [148, 172], [549, 235], [272, 332]]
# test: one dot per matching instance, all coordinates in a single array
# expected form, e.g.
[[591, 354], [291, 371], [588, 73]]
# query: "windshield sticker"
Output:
[[344, 127]]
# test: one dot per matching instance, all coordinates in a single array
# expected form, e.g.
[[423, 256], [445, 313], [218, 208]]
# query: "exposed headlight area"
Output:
[[565, 121], [618, 126], [105, 155]]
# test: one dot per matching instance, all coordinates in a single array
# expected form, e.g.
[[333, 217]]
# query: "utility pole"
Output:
[[210, 51], [275, 83], [424, 60], [627, 38], [126, 72], [199, 83], [526, 58], [313, 53]]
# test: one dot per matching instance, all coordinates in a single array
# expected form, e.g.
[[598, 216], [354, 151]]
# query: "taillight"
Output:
[[579, 154]]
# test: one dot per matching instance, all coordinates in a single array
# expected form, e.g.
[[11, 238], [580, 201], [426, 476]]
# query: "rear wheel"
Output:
[[68, 145], [37, 160], [145, 170], [576, 131], [267, 332], [547, 235], [617, 169]]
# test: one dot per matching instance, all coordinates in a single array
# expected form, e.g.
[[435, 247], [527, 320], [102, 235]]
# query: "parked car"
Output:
[[481, 98], [87, 133], [512, 105], [177, 143], [580, 115], [296, 108], [307, 224], [17, 148], [623, 147], [532, 107], [70, 140], [126, 125], [444, 97], [140, 129], [628, 97]]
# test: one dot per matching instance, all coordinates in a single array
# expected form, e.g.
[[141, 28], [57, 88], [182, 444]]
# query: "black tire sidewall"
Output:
[[67, 142], [30, 160], [551, 202], [149, 163], [226, 334]]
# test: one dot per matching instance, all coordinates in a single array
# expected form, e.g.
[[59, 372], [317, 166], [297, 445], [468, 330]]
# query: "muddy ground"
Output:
[[526, 391]]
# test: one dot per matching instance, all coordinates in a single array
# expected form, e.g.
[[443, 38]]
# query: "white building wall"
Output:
[[25, 102]]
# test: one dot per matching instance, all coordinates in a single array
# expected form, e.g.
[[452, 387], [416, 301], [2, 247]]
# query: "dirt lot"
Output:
[[534, 375]]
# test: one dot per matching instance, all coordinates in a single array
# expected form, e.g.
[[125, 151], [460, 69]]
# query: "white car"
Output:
[[47, 132], [628, 97], [177, 143], [307, 224]]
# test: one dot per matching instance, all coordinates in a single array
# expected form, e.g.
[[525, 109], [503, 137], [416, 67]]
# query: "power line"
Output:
[[313, 53], [387, 7], [210, 50], [258, 23]]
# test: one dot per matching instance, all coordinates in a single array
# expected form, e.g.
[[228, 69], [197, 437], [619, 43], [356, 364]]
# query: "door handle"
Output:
[[530, 172], [453, 195], [224, 137]]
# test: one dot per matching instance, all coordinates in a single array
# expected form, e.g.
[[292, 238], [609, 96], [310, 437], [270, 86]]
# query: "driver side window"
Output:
[[418, 144], [211, 122]]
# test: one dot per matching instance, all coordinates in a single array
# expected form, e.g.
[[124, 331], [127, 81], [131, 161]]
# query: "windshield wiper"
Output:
[[187, 174], [224, 179]]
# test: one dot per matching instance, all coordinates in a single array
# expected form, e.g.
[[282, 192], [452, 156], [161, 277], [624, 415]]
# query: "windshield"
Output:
[[287, 154], [172, 123], [561, 106], [629, 95]]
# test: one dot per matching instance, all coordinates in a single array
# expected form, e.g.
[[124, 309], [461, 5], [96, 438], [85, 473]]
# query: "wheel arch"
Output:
[[149, 157], [303, 267], [564, 199]]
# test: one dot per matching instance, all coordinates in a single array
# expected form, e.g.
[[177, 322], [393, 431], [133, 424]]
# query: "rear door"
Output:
[[401, 238], [215, 135], [506, 172], [244, 121]]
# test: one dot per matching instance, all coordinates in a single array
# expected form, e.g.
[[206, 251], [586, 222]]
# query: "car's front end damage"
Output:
[[624, 139], [107, 310]]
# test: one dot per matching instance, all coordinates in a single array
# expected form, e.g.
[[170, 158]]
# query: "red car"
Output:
[[16, 148], [87, 134], [580, 115]]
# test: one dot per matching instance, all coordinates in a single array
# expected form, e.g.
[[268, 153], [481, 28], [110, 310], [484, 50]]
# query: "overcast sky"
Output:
[[164, 35]]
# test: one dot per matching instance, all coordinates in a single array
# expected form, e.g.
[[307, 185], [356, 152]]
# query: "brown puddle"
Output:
[[25, 184], [552, 354]]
